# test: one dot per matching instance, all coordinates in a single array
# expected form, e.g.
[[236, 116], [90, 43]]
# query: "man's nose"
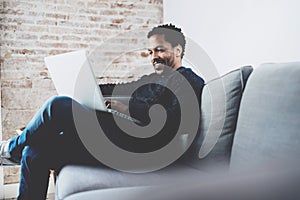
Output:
[[154, 56]]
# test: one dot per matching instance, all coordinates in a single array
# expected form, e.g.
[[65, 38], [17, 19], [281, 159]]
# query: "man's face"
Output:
[[162, 54]]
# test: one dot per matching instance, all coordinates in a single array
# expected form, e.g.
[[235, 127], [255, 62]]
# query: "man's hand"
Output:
[[117, 105]]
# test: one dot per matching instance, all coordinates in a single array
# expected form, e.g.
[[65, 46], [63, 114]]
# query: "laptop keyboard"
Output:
[[117, 113]]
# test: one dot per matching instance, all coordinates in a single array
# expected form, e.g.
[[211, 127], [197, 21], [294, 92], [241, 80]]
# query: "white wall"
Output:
[[240, 32]]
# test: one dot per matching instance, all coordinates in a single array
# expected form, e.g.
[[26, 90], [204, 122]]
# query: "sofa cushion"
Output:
[[74, 179], [275, 185], [219, 111], [268, 128]]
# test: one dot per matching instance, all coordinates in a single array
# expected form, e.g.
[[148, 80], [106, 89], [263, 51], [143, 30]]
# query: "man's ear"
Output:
[[178, 50]]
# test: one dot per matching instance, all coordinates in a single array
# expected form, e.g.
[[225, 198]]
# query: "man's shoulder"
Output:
[[190, 75]]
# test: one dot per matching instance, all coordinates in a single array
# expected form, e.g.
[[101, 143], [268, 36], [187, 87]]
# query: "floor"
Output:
[[49, 197]]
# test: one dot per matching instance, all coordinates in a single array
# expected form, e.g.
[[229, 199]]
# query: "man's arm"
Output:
[[139, 105], [123, 89]]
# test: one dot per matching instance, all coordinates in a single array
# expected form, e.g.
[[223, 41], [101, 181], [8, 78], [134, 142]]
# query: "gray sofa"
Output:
[[248, 147]]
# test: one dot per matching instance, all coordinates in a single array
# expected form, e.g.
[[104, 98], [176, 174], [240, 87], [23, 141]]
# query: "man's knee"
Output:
[[60, 103]]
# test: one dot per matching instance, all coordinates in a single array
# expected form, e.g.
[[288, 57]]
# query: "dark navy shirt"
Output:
[[164, 90]]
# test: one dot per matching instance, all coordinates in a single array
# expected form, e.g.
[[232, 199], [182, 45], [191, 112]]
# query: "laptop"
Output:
[[73, 76]]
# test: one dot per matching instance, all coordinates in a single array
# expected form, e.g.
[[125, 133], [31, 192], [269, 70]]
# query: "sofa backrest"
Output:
[[268, 127], [219, 110]]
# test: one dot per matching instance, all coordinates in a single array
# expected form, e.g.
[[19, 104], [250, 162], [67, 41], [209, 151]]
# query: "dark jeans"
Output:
[[49, 141]]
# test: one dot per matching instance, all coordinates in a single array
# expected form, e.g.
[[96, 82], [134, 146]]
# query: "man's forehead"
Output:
[[157, 40]]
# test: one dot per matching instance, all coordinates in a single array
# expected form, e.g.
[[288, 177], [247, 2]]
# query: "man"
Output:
[[51, 140]]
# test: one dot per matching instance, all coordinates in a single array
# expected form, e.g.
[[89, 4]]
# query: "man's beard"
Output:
[[162, 66]]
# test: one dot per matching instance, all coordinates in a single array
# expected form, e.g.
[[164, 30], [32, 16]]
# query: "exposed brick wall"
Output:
[[31, 30]]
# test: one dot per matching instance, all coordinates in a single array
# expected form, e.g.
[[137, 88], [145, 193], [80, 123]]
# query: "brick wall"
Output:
[[31, 30]]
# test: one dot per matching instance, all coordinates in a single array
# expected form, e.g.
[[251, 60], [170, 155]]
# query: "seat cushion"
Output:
[[73, 179], [268, 128], [274, 185], [219, 110]]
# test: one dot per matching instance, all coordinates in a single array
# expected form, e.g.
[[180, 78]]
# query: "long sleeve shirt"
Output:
[[155, 89]]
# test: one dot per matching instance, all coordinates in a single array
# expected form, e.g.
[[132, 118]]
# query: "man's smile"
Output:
[[159, 61]]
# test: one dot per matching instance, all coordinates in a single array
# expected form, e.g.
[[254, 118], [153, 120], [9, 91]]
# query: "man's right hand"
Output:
[[117, 105]]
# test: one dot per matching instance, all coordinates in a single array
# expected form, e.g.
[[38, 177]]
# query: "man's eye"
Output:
[[150, 52], [160, 50]]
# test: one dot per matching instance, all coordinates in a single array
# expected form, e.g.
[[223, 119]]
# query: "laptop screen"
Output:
[[73, 76]]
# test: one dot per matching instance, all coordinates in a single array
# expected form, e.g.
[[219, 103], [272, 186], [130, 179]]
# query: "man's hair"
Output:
[[172, 34]]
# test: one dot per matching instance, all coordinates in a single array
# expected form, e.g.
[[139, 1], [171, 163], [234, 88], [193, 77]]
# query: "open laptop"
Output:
[[73, 76]]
